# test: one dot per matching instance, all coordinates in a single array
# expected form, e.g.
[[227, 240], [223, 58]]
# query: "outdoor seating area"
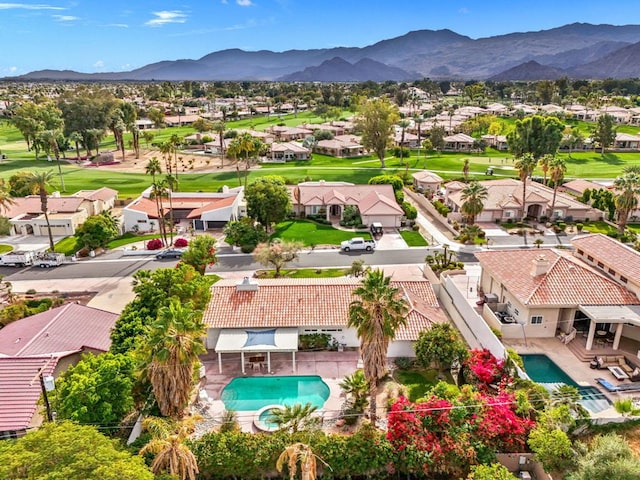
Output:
[[622, 388], [257, 362]]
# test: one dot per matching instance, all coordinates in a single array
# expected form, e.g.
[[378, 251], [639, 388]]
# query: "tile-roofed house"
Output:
[[578, 186], [312, 306], [341, 146], [98, 201], [460, 142], [504, 201], [613, 258], [543, 290], [202, 210], [376, 203], [427, 181], [286, 151]]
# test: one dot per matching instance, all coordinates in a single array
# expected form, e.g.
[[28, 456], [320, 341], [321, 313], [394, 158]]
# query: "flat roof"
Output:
[[235, 340]]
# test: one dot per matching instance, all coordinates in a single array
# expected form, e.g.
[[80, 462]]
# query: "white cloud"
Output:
[[244, 3], [26, 6], [99, 64], [65, 18], [165, 16], [117, 25]]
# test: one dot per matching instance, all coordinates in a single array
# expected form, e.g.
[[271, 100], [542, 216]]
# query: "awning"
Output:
[[235, 340], [612, 313]]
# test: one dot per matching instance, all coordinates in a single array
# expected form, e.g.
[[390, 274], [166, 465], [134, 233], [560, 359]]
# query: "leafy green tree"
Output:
[[473, 196], [19, 184], [376, 314], [268, 200], [294, 418], [537, 136], [436, 137], [608, 456], [39, 181], [552, 448], [66, 451], [96, 391], [170, 353], [277, 253], [495, 471], [356, 387], [96, 231], [440, 345], [573, 140], [34, 118], [604, 132], [201, 253], [245, 233], [156, 116], [376, 119]]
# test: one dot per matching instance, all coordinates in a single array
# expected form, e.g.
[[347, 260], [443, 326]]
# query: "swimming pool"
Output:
[[254, 393], [543, 370]]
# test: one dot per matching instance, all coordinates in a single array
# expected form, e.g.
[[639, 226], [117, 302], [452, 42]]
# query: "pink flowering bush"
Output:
[[154, 244], [181, 242]]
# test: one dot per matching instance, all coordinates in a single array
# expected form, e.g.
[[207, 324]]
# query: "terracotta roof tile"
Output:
[[622, 258]]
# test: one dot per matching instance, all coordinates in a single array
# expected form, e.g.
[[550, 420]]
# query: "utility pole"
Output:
[[46, 397], [43, 387]]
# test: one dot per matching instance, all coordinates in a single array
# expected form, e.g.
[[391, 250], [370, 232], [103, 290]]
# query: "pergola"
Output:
[[257, 340], [618, 314]]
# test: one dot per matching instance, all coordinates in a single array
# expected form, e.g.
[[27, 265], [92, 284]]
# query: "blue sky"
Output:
[[116, 35]]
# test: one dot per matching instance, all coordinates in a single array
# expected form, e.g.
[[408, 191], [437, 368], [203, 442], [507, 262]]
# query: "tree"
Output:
[[465, 169], [64, 450], [159, 192], [627, 188], [156, 116], [473, 196], [201, 253], [167, 444], [441, 344], [376, 315], [277, 253], [268, 200], [436, 136], [537, 136], [77, 139], [495, 471], [6, 199], [96, 231], [572, 141], [557, 169], [608, 456], [298, 453], [219, 127], [129, 114], [294, 418], [170, 351], [39, 182], [49, 139], [403, 124], [441, 261], [525, 166], [376, 120], [604, 132], [245, 233], [96, 391], [356, 387]]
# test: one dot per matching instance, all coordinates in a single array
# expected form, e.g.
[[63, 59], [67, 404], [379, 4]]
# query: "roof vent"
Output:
[[246, 285]]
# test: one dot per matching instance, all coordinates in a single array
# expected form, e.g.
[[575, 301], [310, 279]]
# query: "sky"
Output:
[[121, 35]]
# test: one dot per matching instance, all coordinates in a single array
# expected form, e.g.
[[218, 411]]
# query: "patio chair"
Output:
[[610, 387]]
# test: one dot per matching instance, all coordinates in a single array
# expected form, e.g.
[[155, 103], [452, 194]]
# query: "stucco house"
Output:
[[376, 203], [427, 181], [268, 315], [286, 134], [341, 146], [288, 151], [200, 211], [460, 142]]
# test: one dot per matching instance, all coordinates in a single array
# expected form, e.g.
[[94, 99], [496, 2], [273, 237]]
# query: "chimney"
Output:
[[540, 265], [246, 285]]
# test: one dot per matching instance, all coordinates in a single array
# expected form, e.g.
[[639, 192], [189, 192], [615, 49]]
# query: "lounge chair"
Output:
[[629, 387], [610, 387]]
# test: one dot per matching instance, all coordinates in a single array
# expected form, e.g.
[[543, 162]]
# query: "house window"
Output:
[[516, 312], [590, 258], [600, 265], [580, 252], [623, 279], [536, 319], [612, 271], [508, 214], [142, 221]]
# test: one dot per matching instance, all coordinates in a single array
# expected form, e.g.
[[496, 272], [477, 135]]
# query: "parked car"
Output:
[[170, 253], [358, 243]]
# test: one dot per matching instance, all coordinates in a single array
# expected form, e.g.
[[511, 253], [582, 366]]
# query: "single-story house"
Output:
[[427, 181], [460, 142], [578, 186], [46, 343], [376, 203], [410, 140], [287, 134], [203, 210], [98, 201], [504, 201], [626, 141], [268, 315], [288, 151], [543, 292], [499, 142], [144, 124], [342, 146], [180, 120]]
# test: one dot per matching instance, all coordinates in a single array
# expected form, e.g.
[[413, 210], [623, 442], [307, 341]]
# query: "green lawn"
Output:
[[305, 273], [311, 233], [129, 238], [68, 246], [418, 382], [413, 239], [4, 248]]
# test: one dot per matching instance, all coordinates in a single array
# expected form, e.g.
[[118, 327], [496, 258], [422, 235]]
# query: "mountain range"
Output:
[[578, 50]]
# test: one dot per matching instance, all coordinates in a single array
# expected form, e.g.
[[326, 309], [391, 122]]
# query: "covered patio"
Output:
[[602, 318], [256, 342]]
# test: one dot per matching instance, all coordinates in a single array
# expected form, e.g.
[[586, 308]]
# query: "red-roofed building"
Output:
[[203, 210], [544, 292], [293, 307]]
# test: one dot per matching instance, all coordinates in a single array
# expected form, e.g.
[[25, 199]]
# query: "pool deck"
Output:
[[332, 367]]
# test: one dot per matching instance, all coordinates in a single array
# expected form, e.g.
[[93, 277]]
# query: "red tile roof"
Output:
[[104, 193], [566, 282], [311, 302], [377, 204], [214, 204], [20, 389], [68, 328], [622, 258], [32, 205]]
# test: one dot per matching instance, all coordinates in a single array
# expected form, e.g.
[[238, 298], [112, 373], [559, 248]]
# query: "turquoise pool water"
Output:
[[266, 418], [543, 370], [253, 393]]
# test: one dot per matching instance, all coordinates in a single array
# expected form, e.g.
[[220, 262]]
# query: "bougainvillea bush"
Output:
[[484, 369], [154, 244], [445, 437], [181, 242]]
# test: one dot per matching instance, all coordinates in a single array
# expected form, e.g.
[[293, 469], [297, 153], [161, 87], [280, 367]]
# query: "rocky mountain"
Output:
[[339, 70], [528, 71], [582, 50]]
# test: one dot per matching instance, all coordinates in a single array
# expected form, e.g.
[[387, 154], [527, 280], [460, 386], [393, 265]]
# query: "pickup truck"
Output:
[[358, 243], [47, 260], [18, 258]]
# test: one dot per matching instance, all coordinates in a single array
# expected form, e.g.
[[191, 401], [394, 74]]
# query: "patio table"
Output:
[[618, 373]]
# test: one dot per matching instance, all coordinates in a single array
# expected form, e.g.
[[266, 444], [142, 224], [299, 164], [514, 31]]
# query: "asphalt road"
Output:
[[127, 266]]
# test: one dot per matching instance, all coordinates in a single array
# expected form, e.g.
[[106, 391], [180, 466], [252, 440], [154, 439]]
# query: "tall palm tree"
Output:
[[376, 315], [171, 454], [166, 148], [175, 140], [545, 165], [627, 189], [403, 124], [525, 166], [172, 184], [294, 418], [170, 352], [153, 168], [219, 127], [6, 200], [465, 169], [299, 453], [77, 139], [39, 182], [473, 196], [557, 169], [159, 192]]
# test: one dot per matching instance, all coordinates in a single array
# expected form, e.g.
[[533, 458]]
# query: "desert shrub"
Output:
[[154, 244]]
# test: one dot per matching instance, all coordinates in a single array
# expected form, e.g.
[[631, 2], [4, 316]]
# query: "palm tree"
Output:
[[473, 196], [627, 187], [175, 141], [39, 182], [171, 348], [6, 200], [302, 453], [525, 166], [76, 138], [50, 140], [545, 165], [153, 168], [172, 184], [218, 127], [557, 169], [171, 455], [294, 418], [403, 124], [357, 387], [376, 315], [159, 192], [166, 148], [465, 169]]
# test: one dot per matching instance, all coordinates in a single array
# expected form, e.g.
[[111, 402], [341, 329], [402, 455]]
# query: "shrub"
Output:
[[404, 363], [181, 242], [315, 341], [409, 211], [247, 248], [154, 244]]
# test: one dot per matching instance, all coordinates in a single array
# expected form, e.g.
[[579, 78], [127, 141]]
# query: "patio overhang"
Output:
[[618, 314], [255, 341]]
